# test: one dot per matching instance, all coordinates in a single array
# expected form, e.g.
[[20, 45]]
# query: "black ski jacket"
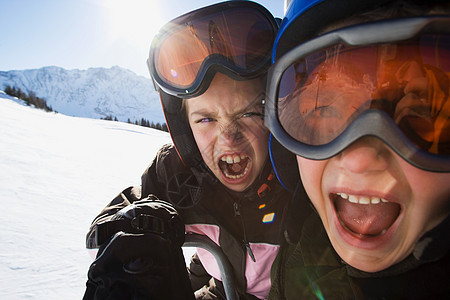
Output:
[[246, 225]]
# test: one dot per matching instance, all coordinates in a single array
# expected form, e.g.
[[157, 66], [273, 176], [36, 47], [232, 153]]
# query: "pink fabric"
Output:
[[257, 273], [207, 259]]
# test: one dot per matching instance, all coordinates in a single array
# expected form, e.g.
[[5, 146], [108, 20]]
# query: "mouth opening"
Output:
[[234, 166], [365, 216]]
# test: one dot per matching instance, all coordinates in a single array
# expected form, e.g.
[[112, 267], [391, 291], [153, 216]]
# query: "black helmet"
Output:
[[233, 37]]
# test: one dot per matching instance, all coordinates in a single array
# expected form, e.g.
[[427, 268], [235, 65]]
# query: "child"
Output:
[[209, 66], [363, 101]]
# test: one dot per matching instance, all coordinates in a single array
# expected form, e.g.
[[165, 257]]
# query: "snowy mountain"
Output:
[[93, 93]]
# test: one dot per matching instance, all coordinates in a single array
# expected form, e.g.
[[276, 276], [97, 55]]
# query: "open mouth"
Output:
[[365, 216], [235, 166]]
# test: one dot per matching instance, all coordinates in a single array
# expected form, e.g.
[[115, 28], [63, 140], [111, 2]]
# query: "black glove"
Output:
[[145, 261]]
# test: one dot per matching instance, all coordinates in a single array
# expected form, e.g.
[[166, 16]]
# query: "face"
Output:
[[227, 125], [374, 205]]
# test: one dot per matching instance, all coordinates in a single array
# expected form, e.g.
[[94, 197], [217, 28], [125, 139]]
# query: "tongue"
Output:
[[367, 219], [236, 168]]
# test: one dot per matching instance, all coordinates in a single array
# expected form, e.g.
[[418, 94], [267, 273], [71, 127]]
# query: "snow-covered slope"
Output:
[[56, 174], [93, 93]]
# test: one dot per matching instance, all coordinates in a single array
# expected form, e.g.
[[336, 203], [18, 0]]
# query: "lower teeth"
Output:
[[228, 175]]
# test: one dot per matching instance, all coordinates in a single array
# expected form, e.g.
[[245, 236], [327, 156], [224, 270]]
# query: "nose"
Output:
[[230, 133], [368, 154]]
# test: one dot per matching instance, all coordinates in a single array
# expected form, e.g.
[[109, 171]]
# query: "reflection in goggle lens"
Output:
[[241, 37], [322, 94]]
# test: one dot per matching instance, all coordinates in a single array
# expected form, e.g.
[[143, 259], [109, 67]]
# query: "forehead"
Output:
[[226, 94]]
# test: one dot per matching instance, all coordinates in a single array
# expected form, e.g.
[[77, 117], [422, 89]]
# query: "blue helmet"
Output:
[[304, 21]]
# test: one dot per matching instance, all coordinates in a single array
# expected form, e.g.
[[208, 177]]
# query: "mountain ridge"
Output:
[[93, 93]]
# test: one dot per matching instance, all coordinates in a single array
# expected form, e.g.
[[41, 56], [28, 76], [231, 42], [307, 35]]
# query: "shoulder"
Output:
[[155, 177], [167, 150], [166, 159]]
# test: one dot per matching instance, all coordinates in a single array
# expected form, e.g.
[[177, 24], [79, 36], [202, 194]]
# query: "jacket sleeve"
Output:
[[197, 273], [125, 198], [156, 177]]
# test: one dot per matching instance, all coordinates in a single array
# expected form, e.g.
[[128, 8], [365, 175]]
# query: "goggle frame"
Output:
[[214, 63], [375, 123]]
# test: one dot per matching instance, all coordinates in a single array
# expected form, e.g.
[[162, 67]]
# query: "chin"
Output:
[[237, 187], [366, 265], [370, 261]]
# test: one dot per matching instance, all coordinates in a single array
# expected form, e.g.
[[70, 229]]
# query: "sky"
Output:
[[80, 34], [58, 173]]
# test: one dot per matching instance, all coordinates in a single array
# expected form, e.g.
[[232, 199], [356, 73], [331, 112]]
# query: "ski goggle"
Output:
[[389, 80], [234, 37]]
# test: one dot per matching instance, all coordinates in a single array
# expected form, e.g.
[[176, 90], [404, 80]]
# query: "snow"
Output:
[[56, 174]]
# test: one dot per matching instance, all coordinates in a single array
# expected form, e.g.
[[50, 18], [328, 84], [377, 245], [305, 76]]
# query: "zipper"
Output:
[[237, 213]]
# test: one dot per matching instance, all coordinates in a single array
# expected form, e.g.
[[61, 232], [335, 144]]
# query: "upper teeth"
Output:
[[230, 159], [362, 199], [234, 159]]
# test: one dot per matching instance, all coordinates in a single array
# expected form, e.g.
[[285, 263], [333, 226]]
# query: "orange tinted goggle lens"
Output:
[[241, 38], [321, 95]]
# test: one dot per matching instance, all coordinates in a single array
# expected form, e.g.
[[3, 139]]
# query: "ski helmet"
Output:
[[233, 37], [301, 29], [304, 19]]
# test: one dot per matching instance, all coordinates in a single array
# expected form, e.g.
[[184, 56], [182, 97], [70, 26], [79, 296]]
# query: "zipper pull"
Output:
[[249, 250], [236, 209], [246, 244]]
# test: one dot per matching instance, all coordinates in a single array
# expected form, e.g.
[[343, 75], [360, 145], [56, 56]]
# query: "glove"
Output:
[[143, 261]]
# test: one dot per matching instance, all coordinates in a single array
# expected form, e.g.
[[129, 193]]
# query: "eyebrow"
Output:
[[203, 113], [256, 102]]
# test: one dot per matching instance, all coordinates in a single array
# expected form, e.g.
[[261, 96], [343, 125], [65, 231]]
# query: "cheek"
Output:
[[256, 134], [252, 127], [431, 193], [311, 173], [204, 140], [260, 144]]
